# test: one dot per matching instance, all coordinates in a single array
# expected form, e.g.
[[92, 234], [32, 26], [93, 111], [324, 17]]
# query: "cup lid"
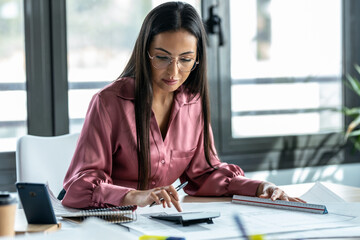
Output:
[[6, 198]]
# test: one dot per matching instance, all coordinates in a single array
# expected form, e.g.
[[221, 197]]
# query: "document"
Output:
[[337, 233], [90, 229], [256, 220], [320, 194]]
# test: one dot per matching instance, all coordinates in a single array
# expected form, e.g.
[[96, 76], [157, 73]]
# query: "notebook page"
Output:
[[59, 209]]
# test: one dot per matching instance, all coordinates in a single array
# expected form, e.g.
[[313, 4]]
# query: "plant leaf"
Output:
[[354, 133], [355, 84], [357, 143], [357, 67], [351, 111], [352, 126]]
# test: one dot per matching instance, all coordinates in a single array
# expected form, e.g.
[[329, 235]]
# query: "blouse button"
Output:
[[153, 182], [163, 161]]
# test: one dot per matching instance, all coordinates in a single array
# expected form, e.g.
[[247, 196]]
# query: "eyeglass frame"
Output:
[[172, 59]]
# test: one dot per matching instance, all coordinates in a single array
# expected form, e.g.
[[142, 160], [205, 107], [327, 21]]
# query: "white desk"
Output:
[[350, 194]]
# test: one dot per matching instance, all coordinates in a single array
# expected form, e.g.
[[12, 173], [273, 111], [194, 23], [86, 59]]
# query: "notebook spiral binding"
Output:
[[120, 214]]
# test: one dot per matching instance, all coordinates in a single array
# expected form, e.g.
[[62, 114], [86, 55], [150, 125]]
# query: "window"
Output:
[[12, 75], [286, 63], [99, 47], [277, 84]]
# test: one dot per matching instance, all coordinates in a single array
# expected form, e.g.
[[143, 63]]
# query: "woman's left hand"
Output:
[[270, 190]]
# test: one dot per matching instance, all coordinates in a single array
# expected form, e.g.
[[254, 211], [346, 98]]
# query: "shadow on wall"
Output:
[[327, 151], [323, 163]]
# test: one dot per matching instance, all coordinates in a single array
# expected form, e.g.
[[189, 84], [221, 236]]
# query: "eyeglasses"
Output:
[[184, 64]]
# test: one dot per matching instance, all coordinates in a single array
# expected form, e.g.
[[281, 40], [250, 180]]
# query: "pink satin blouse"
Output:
[[104, 167]]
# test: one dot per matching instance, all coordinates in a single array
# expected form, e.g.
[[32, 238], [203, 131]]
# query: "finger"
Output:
[[264, 195], [300, 200], [176, 204], [295, 199], [166, 197], [173, 192], [276, 194], [284, 197], [154, 198]]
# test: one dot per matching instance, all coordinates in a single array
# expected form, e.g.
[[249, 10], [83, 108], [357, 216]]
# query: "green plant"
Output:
[[352, 132]]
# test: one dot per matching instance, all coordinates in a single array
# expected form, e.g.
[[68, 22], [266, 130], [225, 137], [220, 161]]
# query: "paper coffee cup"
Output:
[[7, 214]]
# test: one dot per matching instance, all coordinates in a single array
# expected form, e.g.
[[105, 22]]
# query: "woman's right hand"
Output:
[[143, 198]]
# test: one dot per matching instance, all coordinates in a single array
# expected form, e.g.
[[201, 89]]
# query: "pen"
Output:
[[150, 237], [241, 227], [243, 232], [178, 188]]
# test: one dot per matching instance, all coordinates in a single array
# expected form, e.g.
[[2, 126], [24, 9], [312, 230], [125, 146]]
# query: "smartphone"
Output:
[[36, 202]]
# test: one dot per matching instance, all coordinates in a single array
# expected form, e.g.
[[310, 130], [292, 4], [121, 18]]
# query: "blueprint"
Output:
[[256, 220]]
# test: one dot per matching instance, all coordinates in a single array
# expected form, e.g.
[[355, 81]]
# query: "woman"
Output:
[[152, 126]]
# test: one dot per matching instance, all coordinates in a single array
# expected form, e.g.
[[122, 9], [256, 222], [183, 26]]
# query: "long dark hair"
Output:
[[170, 16]]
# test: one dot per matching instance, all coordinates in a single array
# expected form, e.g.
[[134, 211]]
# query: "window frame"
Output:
[[46, 67], [46, 76], [267, 153]]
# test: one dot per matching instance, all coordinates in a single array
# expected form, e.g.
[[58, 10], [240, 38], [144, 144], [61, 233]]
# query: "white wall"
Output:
[[347, 174]]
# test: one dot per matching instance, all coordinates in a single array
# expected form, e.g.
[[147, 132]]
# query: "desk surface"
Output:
[[350, 194]]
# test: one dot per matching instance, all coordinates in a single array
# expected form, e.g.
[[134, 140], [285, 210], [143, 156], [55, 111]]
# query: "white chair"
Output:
[[45, 159]]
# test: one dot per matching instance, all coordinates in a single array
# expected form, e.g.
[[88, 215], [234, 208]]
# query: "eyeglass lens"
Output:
[[184, 64]]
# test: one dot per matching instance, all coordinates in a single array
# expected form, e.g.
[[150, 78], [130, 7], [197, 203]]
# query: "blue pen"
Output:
[[151, 237], [178, 188], [241, 226], [243, 232]]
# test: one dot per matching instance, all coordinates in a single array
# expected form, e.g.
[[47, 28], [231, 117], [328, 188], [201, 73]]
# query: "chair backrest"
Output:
[[45, 159]]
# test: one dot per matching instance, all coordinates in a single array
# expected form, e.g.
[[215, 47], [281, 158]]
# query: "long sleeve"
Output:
[[225, 180], [88, 182]]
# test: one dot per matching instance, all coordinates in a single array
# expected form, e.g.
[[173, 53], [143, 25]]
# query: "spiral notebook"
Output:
[[121, 214]]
